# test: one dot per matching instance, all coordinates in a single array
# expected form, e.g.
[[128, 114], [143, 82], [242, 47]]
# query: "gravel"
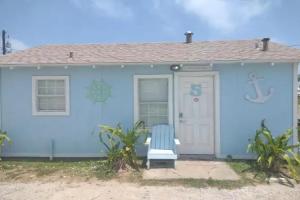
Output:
[[93, 190]]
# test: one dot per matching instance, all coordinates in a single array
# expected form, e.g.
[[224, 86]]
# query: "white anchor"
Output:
[[260, 97]]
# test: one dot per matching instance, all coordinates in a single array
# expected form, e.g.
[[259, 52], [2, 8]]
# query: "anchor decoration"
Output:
[[260, 97]]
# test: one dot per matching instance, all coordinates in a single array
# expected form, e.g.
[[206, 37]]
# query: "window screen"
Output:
[[153, 101], [51, 95]]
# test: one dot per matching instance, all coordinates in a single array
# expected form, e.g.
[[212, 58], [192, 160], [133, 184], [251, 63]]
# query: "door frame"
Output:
[[216, 88]]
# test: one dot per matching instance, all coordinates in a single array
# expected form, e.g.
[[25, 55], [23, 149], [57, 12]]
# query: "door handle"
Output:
[[181, 120], [180, 115]]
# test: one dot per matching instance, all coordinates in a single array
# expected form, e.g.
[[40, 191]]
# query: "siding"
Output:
[[76, 135], [239, 117]]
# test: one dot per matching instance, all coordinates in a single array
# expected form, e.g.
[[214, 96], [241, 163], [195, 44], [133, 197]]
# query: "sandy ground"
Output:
[[94, 190]]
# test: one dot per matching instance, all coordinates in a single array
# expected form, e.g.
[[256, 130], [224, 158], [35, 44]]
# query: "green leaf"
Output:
[[270, 160], [121, 144], [273, 151]]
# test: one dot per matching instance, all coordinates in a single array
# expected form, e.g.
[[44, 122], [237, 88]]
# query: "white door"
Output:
[[196, 114]]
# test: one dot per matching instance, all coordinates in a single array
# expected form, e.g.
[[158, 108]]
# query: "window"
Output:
[[153, 99], [50, 95]]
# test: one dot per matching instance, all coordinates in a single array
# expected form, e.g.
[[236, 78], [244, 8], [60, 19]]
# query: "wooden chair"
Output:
[[161, 144]]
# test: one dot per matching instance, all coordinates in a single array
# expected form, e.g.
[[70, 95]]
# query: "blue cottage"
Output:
[[214, 93]]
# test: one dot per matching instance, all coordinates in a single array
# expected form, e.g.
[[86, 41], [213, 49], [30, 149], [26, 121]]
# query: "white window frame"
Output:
[[35, 112], [170, 94]]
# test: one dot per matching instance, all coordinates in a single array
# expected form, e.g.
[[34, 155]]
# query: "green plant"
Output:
[[274, 153], [120, 145], [3, 138]]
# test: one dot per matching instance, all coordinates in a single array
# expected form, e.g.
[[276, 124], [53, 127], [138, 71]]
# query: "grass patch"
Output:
[[198, 183], [136, 177], [89, 169], [20, 170], [248, 171]]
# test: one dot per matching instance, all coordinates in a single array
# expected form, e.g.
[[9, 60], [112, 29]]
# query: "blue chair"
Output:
[[161, 144]]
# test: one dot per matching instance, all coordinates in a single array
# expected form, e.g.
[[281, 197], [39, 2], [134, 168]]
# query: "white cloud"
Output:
[[225, 15], [17, 45], [279, 40], [110, 8]]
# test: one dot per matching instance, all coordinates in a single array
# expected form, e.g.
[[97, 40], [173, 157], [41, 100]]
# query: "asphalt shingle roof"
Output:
[[210, 51]]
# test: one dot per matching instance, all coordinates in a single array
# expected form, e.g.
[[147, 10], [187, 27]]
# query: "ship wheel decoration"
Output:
[[98, 91]]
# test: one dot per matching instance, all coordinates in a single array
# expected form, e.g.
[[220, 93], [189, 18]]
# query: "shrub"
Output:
[[274, 153], [120, 145], [3, 138]]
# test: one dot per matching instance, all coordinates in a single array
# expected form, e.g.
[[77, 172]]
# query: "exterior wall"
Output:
[[76, 134], [240, 118]]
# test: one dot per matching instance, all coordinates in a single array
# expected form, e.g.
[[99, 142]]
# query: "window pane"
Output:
[[41, 83], [51, 91], [50, 83], [60, 83], [42, 90], [50, 95], [51, 87], [46, 103], [153, 101], [153, 89], [60, 91]]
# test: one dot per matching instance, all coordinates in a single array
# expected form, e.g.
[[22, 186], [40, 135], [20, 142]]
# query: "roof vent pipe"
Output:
[[188, 37], [71, 54], [265, 44]]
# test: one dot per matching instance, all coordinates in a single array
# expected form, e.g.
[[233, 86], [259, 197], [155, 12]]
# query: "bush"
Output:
[[120, 145], [3, 138], [274, 153]]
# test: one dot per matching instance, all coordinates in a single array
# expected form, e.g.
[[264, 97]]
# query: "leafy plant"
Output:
[[274, 153], [120, 145], [3, 137]]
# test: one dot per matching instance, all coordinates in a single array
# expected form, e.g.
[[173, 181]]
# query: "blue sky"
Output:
[[36, 22]]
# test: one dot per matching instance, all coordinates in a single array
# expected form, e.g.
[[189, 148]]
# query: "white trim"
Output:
[[196, 68], [1, 100], [215, 76], [35, 112], [217, 113], [136, 95], [148, 141], [154, 63], [295, 103], [161, 154], [177, 142]]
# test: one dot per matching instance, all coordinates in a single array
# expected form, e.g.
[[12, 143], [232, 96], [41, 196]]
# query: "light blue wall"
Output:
[[239, 117], [76, 135]]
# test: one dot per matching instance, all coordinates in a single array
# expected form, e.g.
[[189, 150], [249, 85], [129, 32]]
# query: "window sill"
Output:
[[50, 113]]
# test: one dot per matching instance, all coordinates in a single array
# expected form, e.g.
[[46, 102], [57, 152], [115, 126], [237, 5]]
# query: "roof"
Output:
[[202, 51]]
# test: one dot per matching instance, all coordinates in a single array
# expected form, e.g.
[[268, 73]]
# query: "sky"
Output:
[[32, 23]]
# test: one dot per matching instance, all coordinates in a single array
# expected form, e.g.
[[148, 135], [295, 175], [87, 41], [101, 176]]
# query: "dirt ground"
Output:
[[196, 169], [93, 190]]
